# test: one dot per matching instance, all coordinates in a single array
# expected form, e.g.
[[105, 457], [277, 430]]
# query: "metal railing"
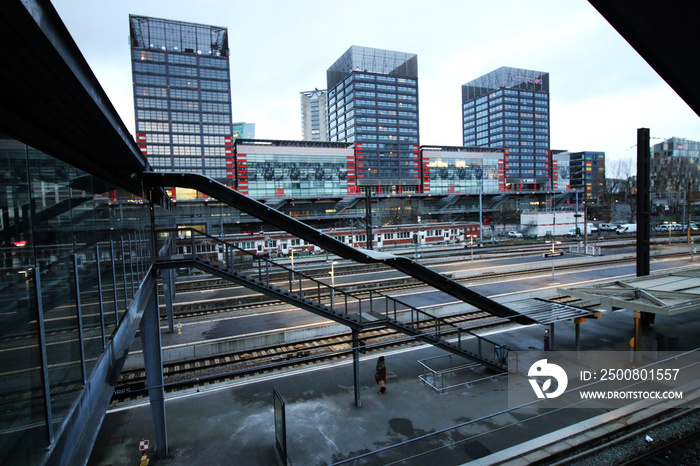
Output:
[[251, 266], [440, 329]]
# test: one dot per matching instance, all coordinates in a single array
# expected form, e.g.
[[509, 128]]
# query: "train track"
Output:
[[224, 367], [362, 290], [442, 257], [669, 438]]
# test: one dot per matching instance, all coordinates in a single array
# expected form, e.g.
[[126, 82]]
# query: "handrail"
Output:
[[263, 212], [293, 275], [439, 321], [416, 314]]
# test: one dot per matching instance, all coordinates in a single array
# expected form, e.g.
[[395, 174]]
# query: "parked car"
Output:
[[607, 227], [515, 234], [590, 228], [662, 227]]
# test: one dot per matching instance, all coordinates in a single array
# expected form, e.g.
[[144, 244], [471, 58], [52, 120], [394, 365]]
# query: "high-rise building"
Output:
[[586, 173], [182, 95], [509, 108], [243, 130], [314, 107], [373, 101]]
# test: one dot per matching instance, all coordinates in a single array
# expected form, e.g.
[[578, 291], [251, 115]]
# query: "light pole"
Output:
[[332, 285], [552, 254]]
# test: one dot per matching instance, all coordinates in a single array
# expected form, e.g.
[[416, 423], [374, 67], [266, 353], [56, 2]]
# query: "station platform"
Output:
[[234, 423]]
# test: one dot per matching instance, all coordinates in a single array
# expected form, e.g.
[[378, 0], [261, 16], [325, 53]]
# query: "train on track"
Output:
[[281, 243]]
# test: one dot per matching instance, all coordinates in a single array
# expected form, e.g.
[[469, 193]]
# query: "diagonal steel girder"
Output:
[[259, 210]]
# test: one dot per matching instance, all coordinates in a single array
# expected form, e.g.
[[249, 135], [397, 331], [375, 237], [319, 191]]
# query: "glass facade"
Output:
[[460, 171], [373, 101], [509, 108], [182, 95], [274, 169], [243, 130], [74, 250], [677, 147]]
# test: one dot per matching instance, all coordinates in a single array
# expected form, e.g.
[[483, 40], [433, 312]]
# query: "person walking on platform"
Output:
[[380, 375]]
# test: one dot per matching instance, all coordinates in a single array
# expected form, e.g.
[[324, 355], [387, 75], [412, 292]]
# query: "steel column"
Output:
[[100, 297], [44, 358], [114, 282], [356, 367], [152, 357], [79, 312], [168, 292], [643, 190]]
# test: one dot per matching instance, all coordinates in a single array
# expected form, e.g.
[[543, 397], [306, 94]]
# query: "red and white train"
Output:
[[281, 243]]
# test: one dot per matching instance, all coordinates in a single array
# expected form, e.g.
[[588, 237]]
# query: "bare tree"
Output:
[[676, 179], [621, 184]]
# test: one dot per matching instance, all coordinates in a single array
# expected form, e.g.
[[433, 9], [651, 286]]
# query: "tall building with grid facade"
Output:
[[314, 107], [182, 95], [509, 108], [373, 102]]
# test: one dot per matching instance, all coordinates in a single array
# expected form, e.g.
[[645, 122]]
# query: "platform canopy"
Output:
[[665, 294]]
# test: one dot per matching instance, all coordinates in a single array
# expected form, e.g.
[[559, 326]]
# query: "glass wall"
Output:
[[267, 171], [73, 251], [456, 172]]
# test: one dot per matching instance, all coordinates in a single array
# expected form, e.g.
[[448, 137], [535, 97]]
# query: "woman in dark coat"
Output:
[[380, 375]]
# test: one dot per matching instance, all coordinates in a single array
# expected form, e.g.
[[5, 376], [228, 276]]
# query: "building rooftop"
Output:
[[374, 61]]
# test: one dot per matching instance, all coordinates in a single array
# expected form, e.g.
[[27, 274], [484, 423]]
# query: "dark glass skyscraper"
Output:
[[373, 101], [509, 108], [182, 95]]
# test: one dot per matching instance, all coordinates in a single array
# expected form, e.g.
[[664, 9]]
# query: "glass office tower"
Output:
[[314, 107], [373, 101], [509, 108], [182, 95]]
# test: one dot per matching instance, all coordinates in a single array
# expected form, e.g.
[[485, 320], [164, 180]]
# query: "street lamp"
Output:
[[471, 245], [552, 253], [332, 285]]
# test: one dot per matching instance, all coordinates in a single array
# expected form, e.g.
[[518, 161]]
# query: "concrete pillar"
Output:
[[153, 362]]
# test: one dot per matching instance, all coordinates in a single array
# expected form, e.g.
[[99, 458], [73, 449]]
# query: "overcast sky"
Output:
[[601, 90]]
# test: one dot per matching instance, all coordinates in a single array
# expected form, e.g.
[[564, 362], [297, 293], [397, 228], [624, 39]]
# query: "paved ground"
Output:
[[234, 424]]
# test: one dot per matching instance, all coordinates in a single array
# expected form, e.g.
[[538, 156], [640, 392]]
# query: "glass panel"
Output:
[[23, 420]]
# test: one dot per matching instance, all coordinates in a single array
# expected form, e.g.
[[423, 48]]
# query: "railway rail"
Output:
[[223, 367], [669, 438], [203, 308]]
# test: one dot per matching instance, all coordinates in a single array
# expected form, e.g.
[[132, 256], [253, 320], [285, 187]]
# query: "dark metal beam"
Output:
[[643, 199], [79, 429], [54, 103], [259, 210]]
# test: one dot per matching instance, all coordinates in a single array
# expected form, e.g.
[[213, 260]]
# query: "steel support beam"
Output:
[[81, 424], [153, 362], [356, 367], [643, 190], [259, 210], [169, 293]]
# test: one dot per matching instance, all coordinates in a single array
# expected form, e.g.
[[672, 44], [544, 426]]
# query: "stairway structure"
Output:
[[259, 210], [352, 314], [280, 282]]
